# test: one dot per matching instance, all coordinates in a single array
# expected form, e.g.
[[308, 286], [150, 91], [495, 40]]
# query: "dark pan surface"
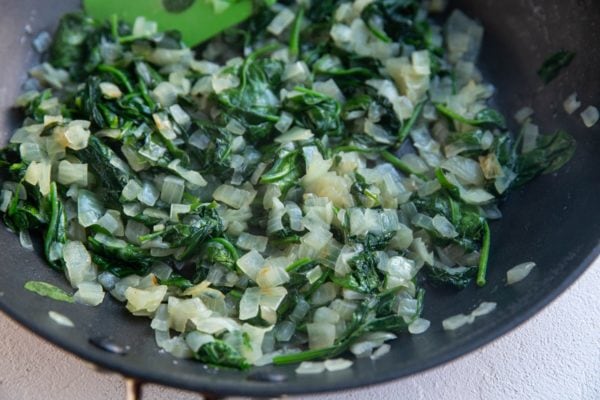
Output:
[[554, 221]]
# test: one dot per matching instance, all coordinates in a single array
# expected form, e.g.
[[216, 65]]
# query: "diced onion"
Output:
[[251, 263], [419, 326], [270, 276], [483, 309], [78, 263], [571, 104], [232, 196], [249, 304], [590, 116], [324, 294], [337, 364], [110, 90], [362, 349], [89, 293], [519, 272], [149, 194], [281, 21], [294, 135], [310, 367], [320, 335], [381, 351], [182, 311], [60, 319], [145, 300], [285, 122], [523, 115], [284, 331], [456, 322], [444, 227]]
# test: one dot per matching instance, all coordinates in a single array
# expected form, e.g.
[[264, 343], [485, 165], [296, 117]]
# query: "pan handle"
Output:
[[133, 391]]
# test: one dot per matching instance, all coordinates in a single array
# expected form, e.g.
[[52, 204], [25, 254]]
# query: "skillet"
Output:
[[554, 221]]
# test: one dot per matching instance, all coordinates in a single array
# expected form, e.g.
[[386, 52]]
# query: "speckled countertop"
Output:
[[554, 356]]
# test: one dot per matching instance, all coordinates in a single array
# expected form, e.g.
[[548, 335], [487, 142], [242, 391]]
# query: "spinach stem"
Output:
[[298, 264], [404, 132], [295, 33], [485, 253], [117, 74], [398, 164]]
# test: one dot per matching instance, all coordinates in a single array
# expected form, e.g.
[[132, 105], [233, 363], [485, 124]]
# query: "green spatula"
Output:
[[197, 20]]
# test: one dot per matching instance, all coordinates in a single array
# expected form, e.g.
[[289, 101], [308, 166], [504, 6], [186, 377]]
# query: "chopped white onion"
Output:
[[295, 134], [362, 349], [590, 116], [145, 300], [444, 227], [519, 272], [249, 304], [456, 322], [310, 367], [337, 364], [320, 335], [281, 21], [60, 319], [381, 351], [270, 276], [232, 196], [89, 293], [571, 104], [523, 115], [419, 326], [110, 90], [483, 309], [78, 263]]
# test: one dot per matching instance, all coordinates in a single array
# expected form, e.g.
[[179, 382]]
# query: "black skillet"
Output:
[[554, 221]]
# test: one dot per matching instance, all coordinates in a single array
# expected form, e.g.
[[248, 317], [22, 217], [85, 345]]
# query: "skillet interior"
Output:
[[554, 221]]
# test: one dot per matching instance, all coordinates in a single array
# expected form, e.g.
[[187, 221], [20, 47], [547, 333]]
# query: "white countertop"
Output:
[[553, 356]]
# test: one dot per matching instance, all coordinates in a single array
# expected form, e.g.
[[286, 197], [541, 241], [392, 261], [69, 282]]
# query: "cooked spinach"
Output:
[[315, 111], [450, 277], [365, 277], [554, 64], [551, 153], [390, 20], [285, 172], [70, 47], [220, 353]]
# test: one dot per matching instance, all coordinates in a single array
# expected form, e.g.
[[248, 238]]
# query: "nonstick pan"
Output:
[[554, 221]]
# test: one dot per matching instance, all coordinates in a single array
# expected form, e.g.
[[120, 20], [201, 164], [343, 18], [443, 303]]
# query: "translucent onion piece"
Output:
[[320, 335], [381, 351], [145, 300], [456, 322], [89, 293], [337, 364], [60, 319], [590, 116], [519, 272], [419, 326], [483, 309], [310, 367], [249, 303]]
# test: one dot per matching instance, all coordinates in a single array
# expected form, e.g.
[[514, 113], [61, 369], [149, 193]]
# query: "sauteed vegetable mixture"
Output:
[[280, 194]]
